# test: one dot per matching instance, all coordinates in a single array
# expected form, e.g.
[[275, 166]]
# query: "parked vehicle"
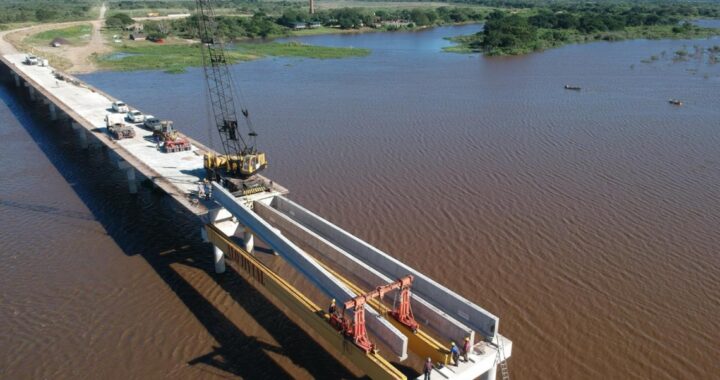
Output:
[[31, 60], [113, 118], [135, 116], [121, 131], [151, 122], [120, 107]]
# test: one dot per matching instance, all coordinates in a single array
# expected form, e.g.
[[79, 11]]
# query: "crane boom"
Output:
[[241, 159]]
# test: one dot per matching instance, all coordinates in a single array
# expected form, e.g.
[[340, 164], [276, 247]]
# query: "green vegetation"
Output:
[[174, 58], [150, 56], [354, 18], [118, 21], [75, 35], [507, 33], [296, 49], [17, 11]]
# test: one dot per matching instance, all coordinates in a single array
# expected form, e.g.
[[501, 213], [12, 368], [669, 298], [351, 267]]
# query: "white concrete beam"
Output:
[[305, 264], [425, 313], [445, 299]]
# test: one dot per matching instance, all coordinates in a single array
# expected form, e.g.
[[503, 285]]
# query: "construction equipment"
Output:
[[241, 160], [356, 330], [117, 128], [172, 140]]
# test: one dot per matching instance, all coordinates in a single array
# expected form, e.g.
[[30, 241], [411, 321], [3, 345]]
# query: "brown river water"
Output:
[[588, 221]]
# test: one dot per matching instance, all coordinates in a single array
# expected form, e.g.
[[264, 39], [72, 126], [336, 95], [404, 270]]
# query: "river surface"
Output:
[[588, 221]]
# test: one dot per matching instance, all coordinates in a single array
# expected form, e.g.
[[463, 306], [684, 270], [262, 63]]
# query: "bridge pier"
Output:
[[219, 259], [491, 374], [53, 111], [31, 91], [130, 173], [80, 132], [248, 240], [132, 183], [17, 79]]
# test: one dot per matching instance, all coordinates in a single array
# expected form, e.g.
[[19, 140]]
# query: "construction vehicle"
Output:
[[356, 330], [236, 168], [172, 140], [117, 128]]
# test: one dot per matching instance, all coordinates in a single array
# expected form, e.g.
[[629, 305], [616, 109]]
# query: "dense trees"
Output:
[[556, 23], [118, 21], [259, 25], [35, 10]]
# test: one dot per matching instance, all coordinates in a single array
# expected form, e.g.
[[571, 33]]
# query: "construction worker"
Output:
[[454, 353], [201, 191], [466, 349], [427, 368], [208, 189], [333, 308]]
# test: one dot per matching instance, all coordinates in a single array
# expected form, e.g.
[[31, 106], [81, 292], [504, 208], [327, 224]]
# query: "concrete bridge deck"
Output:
[[178, 174]]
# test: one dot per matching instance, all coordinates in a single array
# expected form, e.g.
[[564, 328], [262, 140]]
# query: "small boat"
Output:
[[571, 87], [675, 102]]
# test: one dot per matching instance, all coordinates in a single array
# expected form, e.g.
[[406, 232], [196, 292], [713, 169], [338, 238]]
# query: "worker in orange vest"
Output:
[[333, 308]]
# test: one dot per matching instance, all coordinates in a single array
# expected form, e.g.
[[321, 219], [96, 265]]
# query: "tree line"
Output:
[[517, 33]]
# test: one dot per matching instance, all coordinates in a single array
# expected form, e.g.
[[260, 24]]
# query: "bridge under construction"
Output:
[[386, 311]]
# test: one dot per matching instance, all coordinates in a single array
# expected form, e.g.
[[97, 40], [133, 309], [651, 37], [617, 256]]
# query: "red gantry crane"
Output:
[[356, 330]]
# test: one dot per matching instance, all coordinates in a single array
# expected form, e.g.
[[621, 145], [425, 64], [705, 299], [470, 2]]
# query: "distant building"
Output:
[[396, 23], [137, 36], [298, 25], [314, 25], [136, 27]]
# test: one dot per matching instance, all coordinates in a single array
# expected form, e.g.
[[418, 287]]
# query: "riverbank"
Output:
[[549, 39]]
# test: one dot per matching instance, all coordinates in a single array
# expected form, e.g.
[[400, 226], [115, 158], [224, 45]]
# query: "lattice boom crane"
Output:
[[241, 159]]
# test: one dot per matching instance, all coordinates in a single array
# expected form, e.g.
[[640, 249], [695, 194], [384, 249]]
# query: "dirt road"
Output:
[[73, 59]]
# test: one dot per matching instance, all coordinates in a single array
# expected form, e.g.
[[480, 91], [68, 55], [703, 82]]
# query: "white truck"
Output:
[[117, 128]]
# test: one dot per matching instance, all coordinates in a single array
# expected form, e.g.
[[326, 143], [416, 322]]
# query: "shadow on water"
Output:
[[151, 225]]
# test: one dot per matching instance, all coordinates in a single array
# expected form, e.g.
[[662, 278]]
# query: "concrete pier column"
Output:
[[82, 136], [491, 374], [219, 260], [31, 92], [132, 182], [53, 111], [248, 240], [204, 235], [17, 79]]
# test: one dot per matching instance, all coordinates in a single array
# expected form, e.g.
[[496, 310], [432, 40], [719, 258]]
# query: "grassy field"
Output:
[[296, 49], [175, 57], [77, 35], [326, 30]]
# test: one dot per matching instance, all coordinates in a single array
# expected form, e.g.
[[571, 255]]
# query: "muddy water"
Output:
[[588, 221]]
